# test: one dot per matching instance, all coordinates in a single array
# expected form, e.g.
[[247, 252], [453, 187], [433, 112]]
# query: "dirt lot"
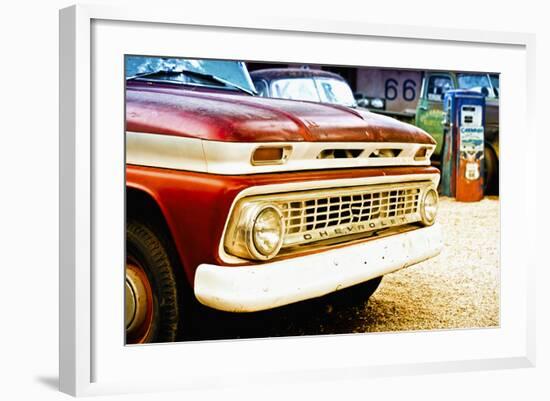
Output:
[[458, 289]]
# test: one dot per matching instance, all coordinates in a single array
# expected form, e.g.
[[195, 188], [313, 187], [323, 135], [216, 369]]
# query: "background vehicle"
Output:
[[303, 84], [245, 203]]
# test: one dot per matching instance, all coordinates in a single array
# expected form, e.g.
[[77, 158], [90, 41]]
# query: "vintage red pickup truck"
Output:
[[247, 203]]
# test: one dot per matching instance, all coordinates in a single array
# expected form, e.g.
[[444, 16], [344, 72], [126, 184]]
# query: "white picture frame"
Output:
[[91, 364]]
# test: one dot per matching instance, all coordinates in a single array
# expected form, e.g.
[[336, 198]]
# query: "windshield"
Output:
[[232, 71], [335, 91], [324, 90], [295, 89], [475, 82]]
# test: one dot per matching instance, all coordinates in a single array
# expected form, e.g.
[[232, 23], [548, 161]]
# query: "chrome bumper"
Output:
[[269, 285]]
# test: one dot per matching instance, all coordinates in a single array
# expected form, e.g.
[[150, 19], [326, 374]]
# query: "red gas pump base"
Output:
[[469, 190]]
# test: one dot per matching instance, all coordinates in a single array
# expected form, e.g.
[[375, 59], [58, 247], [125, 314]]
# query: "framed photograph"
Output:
[[343, 198]]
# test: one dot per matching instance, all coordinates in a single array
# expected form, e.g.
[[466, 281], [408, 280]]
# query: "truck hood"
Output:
[[229, 117]]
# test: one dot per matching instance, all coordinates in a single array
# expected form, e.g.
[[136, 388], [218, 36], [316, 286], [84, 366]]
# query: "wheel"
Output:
[[356, 294], [151, 296], [365, 290], [490, 178]]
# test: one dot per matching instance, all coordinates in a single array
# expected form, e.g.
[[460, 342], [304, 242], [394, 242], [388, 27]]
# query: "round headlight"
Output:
[[267, 232], [429, 206]]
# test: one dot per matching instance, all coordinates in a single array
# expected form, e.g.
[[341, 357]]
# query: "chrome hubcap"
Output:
[[130, 304], [138, 304]]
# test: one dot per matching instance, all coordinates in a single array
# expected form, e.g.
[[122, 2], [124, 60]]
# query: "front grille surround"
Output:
[[316, 216], [320, 215]]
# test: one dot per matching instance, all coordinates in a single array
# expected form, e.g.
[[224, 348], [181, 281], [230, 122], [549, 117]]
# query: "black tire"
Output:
[[490, 178], [356, 294], [146, 252], [370, 287]]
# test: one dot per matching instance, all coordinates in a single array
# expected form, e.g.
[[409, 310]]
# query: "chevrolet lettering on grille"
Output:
[[355, 228]]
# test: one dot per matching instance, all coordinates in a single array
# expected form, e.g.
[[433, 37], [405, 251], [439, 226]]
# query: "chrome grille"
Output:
[[319, 215]]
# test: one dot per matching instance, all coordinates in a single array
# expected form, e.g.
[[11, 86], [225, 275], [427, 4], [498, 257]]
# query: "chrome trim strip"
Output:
[[165, 151], [234, 158]]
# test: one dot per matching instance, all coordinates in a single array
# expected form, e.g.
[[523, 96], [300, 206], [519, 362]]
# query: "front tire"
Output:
[[357, 294], [365, 290], [152, 310]]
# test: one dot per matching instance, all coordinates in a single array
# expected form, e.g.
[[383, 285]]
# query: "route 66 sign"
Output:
[[472, 171], [471, 150]]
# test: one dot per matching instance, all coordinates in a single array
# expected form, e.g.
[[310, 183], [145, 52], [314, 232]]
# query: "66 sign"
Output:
[[408, 90], [399, 88]]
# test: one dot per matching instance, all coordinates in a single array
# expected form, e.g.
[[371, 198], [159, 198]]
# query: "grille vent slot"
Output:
[[386, 153], [340, 154]]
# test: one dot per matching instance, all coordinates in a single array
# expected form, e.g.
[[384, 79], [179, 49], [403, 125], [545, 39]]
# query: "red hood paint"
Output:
[[225, 116]]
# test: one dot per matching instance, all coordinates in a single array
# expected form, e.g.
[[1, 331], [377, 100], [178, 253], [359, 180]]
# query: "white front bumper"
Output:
[[258, 287]]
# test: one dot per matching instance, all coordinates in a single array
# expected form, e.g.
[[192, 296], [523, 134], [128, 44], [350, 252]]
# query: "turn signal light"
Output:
[[270, 155]]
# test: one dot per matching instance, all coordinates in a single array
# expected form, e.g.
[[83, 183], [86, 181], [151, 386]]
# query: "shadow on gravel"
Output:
[[330, 314]]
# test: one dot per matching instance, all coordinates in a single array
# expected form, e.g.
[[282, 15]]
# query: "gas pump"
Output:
[[462, 156]]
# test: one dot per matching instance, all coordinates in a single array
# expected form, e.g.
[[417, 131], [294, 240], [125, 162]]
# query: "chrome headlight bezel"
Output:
[[240, 240], [429, 218]]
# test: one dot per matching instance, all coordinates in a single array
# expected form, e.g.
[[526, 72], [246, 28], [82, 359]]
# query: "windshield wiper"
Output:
[[210, 77]]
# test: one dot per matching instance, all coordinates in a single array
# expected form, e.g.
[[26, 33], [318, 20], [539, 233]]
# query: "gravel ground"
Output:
[[457, 289]]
